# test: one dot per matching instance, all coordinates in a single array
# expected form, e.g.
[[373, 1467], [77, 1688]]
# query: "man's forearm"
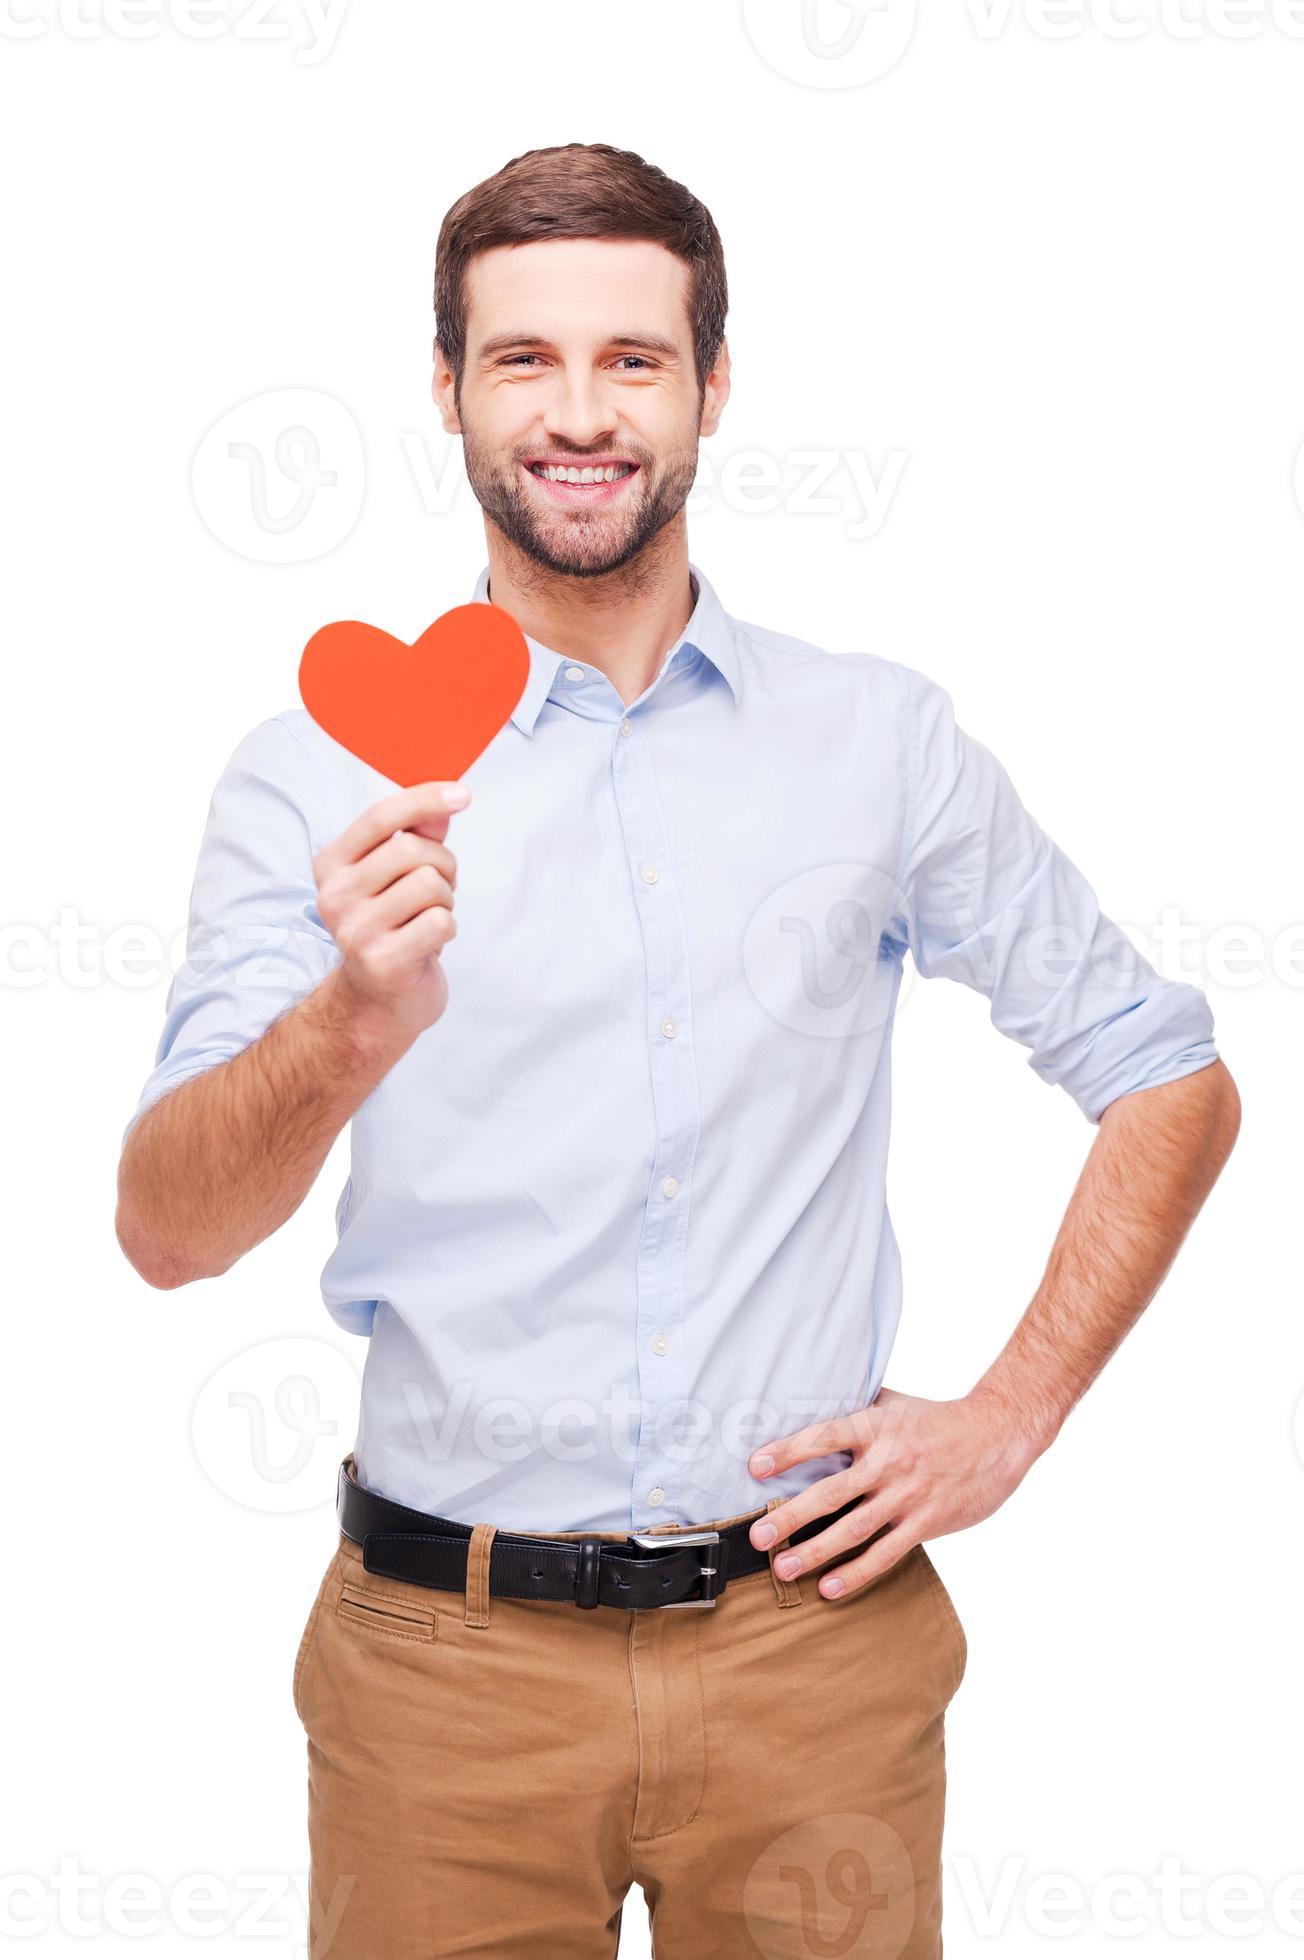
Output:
[[220, 1162], [1156, 1155], [927, 1467]]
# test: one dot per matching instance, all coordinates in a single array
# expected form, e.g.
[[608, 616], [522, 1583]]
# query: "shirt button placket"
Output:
[[659, 1344]]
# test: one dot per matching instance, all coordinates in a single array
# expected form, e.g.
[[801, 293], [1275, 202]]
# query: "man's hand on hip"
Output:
[[921, 1468]]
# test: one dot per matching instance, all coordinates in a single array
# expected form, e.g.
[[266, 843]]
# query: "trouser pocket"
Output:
[[308, 1638], [381, 1610], [959, 1642]]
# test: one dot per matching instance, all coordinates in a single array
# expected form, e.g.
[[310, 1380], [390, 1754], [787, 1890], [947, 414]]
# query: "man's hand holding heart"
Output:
[[420, 715], [385, 892]]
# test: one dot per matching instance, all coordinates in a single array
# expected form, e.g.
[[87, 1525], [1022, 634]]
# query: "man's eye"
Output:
[[639, 360]]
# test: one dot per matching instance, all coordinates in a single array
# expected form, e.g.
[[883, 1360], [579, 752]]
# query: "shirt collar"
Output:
[[709, 631]]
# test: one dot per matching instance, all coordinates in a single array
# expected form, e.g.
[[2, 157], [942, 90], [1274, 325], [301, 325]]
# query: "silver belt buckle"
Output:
[[655, 1541]]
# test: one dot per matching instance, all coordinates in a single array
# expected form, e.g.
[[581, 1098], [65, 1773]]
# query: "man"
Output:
[[615, 1223]]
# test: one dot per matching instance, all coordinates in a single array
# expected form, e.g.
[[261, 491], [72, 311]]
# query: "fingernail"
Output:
[[763, 1535], [787, 1565], [457, 797], [831, 1586], [762, 1465]]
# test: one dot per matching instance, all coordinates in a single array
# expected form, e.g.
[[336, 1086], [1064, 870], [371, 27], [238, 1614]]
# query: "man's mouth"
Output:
[[582, 483]]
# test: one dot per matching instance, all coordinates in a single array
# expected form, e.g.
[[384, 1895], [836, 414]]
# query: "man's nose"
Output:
[[578, 412]]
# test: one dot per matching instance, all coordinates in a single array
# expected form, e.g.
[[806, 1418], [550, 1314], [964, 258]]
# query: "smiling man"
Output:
[[536, 473], [615, 1225]]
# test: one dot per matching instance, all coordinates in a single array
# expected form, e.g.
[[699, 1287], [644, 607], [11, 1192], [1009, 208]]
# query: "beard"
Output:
[[581, 543]]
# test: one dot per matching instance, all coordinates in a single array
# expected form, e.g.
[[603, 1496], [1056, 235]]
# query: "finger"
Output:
[[817, 1500], [817, 1439], [436, 827], [427, 803], [425, 935], [401, 853], [842, 1536], [416, 891], [854, 1574]]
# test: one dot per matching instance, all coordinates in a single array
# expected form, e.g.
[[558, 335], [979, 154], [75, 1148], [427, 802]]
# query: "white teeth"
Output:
[[610, 473]]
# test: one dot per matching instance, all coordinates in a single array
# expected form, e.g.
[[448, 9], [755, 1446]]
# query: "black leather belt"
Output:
[[686, 1568]]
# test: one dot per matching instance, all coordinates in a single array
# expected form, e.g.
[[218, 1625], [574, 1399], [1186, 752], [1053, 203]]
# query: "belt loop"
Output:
[[587, 1572], [477, 1574], [788, 1591]]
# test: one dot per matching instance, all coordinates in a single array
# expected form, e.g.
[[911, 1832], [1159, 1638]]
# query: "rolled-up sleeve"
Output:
[[990, 900], [255, 940]]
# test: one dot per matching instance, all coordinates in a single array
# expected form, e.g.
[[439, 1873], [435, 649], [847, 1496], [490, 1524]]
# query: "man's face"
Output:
[[580, 355]]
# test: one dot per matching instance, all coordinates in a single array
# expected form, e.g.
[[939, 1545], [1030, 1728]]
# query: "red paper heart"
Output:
[[420, 713]]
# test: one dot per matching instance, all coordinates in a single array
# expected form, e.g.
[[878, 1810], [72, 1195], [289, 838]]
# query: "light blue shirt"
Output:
[[619, 1216]]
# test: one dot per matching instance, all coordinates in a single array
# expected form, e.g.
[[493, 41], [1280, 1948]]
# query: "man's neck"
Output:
[[624, 622]]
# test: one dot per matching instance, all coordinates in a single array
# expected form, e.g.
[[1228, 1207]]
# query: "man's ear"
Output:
[[716, 393], [443, 393]]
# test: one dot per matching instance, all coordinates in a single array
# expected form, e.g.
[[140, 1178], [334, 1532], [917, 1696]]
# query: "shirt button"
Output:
[[627, 727], [649, 874], [575, 673], [656, 1495], [660, 1345], [670, 1186], [669, 1030]]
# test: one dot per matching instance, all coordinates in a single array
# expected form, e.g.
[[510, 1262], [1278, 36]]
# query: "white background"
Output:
[[1045, 288]]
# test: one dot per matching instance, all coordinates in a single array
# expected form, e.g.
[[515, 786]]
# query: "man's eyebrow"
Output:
[[653, 343]]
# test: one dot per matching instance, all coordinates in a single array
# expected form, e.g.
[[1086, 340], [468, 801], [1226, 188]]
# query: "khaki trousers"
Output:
[[490, 1776]]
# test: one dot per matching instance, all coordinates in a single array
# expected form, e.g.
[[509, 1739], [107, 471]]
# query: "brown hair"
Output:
[[580, 190]]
